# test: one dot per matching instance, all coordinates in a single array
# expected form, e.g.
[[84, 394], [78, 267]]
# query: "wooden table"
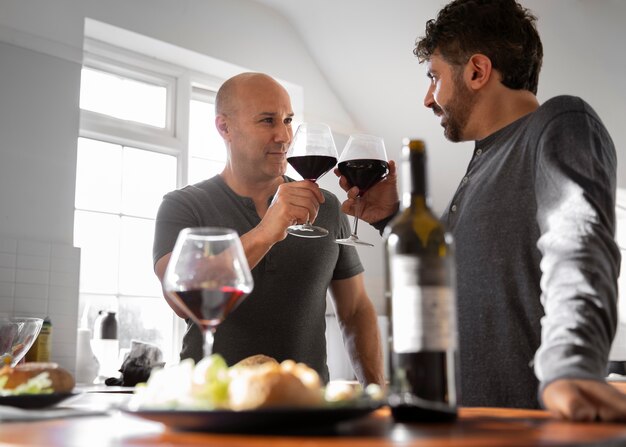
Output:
[[480, 427]]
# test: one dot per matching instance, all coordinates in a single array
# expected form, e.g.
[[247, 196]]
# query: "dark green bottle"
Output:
[[421, 303]]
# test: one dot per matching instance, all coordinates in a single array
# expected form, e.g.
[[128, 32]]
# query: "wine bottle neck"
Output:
[[416, 194], [418, 173]]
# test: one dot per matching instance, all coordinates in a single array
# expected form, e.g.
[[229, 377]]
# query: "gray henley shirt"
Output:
[[284, 316], [533, 221]]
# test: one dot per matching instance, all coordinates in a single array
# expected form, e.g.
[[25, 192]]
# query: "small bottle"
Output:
[[105, 344], [105, 326], [87, 364], [421, 303], [41, 349]]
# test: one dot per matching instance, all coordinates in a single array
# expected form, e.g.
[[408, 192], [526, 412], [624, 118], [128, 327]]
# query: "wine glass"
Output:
[[312, 154], [363, 163], [208, 277]]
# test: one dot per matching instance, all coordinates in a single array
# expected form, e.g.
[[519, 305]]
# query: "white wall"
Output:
[[38, 129]]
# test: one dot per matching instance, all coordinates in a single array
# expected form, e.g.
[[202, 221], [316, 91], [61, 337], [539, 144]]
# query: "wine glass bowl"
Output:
[[364, 173], [17, 335], [312, 154], [363, 162], [208, 277]]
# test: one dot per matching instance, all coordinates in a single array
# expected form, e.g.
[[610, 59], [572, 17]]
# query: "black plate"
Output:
[[266, 419], [32, 401]]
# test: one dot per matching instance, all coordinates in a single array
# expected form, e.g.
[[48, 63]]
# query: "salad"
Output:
[[212, 384]]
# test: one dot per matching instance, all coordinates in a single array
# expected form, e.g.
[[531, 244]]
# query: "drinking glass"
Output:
[[312, 154], [17, 335], [208, 277], [363, 163]]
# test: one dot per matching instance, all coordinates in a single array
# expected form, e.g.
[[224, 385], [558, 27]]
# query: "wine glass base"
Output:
[[305, 230], [353, 241]]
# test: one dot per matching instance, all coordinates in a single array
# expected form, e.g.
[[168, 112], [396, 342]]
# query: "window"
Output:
[[129, 156], [207, 153], [123, 98], [118, 190], [618, 349]]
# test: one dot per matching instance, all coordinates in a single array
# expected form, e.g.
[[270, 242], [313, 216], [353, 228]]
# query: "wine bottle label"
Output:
[[423, 316]]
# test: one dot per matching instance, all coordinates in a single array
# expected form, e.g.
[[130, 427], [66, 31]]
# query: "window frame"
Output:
[[118, 61]]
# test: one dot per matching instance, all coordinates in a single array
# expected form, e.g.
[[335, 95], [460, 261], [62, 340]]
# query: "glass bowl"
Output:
[[17, 335]]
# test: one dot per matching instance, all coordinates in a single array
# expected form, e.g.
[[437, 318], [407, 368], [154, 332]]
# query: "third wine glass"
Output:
[[208, 277], [363, 163]]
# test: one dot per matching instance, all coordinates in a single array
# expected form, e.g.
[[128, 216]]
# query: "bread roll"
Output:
[[253, 360], [275, 385], [62, 380]]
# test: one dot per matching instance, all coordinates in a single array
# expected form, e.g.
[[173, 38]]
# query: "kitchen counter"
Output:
[[475, 427]]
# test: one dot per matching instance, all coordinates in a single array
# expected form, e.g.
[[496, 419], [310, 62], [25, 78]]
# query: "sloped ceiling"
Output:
[[364, 48]]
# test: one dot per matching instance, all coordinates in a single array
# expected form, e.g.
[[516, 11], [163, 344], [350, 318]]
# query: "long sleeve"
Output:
[[575, 190]]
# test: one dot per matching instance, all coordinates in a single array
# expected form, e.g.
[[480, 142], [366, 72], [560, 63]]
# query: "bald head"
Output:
[[253, 116], [234, 90]]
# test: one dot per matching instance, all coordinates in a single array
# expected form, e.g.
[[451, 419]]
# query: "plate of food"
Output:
[[34, 401], [35, 385], [258, 394], [259, 420]]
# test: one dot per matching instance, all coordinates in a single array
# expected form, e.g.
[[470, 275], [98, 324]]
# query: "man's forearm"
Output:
[[255, 245], [363, 343]]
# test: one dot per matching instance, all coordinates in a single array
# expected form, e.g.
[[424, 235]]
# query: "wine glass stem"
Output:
[[208, 342], [308, 221], [357, 211]]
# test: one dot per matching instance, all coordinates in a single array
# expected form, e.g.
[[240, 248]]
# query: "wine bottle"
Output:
[[421, 303]]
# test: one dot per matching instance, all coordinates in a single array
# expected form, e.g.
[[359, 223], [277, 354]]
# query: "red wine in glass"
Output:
[[207, 277], [363, 163], [312, 167], [364, 173], [312, 153], [208, 307]]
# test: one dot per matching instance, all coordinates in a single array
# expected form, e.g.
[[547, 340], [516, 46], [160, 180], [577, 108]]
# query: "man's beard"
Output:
[[457, 112]]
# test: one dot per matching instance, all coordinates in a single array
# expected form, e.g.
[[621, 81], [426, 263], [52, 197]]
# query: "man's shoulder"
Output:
[[565, 103], [195, 190], [564, 111]]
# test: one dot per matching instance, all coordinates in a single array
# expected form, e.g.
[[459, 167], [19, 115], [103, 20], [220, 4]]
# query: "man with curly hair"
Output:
[[533, 218]]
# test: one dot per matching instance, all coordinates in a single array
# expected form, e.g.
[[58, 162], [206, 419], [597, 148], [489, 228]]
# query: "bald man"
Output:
[[284, 316]]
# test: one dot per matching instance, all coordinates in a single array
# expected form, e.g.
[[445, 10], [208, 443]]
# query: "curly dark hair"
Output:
[[502, 30]]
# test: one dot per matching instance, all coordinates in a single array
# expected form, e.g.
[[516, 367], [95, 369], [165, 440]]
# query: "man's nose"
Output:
[[283, 133], [429, 99]]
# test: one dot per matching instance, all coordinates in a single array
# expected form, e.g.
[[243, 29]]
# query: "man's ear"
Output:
[[478, 71], [221, 123]]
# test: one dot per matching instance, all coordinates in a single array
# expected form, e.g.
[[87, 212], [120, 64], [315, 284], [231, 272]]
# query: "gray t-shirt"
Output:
[[533, 222], [284, 316]]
